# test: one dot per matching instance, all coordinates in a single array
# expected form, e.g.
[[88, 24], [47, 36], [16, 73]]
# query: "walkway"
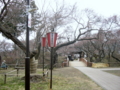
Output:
[[76, 63], [106, 80]]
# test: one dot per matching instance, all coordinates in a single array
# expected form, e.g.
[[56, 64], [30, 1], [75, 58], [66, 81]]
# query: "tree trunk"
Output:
[[33, 65]]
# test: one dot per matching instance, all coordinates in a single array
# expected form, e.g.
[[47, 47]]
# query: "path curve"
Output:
[[106, 80]]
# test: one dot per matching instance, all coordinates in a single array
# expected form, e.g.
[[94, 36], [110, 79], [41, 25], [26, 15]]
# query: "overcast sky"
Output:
[[103, 7]]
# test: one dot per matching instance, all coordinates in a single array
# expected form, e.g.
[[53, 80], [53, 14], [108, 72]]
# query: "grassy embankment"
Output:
[[63, 79]]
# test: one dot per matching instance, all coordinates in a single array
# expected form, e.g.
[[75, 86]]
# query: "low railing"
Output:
[[88, 64], [23, 65], [18, 68]]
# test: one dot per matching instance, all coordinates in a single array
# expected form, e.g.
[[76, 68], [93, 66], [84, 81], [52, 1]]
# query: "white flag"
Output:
[[29, 20]]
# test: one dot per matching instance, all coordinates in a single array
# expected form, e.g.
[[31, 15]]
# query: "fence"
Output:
[[17, 73], [88, 64]]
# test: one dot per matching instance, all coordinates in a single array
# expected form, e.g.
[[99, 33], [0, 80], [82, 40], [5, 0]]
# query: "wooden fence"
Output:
[[88, 64]]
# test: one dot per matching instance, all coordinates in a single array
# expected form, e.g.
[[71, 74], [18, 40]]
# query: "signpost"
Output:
[[43, 45], [51, 37]]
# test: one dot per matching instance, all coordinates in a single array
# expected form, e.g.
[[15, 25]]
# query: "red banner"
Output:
[[52, 37], [43, 41]]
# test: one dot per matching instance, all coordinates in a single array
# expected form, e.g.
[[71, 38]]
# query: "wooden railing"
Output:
[[46, 73], [88, 64]]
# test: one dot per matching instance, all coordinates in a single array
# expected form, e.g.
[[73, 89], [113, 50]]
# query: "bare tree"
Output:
[[5, 49], [60, 19], [12, 20]]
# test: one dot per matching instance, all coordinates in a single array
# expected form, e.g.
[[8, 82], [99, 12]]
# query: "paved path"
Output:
[[76, 63], [106, 80]]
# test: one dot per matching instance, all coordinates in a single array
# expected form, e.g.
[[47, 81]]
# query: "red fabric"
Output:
[[52, 37], [43, 41]]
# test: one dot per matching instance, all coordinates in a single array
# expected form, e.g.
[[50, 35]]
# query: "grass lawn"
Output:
[[67, 78], [115, 72]]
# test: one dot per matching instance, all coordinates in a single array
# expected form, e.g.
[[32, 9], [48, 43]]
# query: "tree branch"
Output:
[[65, 44], [3, 12], [13, 38]]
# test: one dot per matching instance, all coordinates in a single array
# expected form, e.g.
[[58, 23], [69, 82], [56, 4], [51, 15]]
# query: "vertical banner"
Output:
[[43, 41], [29, 20], [52, 37]]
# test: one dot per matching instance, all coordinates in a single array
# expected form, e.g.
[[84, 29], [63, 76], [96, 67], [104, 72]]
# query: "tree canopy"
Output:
[[71, 24]]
